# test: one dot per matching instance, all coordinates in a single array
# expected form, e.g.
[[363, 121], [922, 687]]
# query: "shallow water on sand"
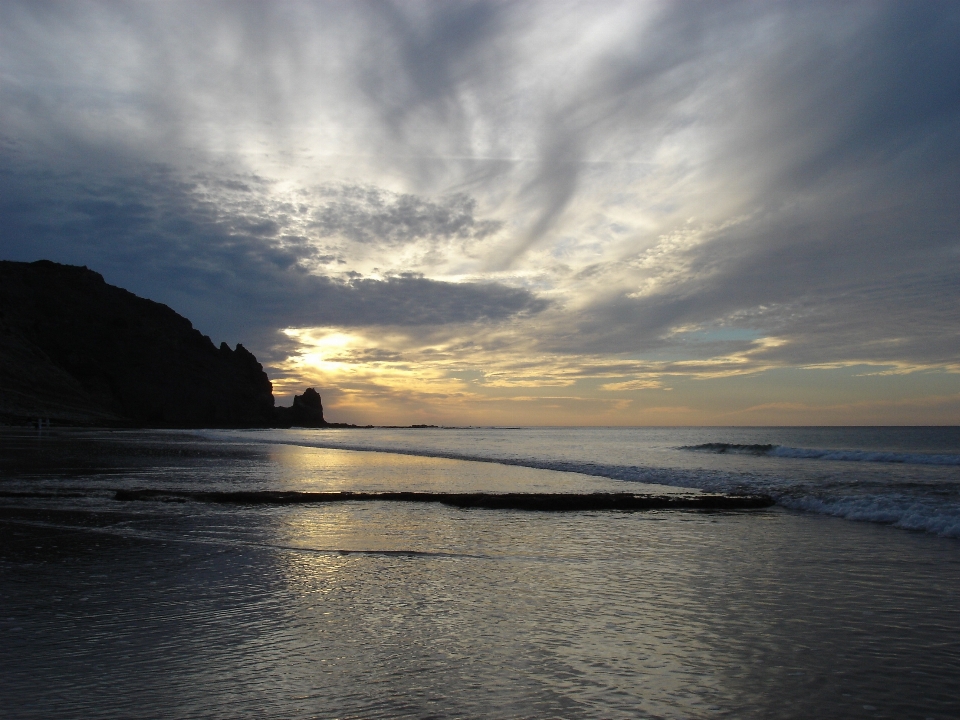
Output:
[[362, 610], [907, 476]]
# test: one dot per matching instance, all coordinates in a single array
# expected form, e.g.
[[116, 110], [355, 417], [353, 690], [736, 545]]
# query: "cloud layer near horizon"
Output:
[[553, 205]]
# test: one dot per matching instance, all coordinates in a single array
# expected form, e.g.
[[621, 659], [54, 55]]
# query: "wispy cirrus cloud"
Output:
[[532, 192]]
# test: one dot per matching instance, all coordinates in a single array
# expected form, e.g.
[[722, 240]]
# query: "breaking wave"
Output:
[[700, 479], [909, 513], [874, 495], [826, 454]]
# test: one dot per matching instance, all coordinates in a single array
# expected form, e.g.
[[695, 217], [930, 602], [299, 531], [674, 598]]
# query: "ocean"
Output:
[[839, 601]]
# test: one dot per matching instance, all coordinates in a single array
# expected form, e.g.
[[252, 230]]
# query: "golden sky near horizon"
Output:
[[614, 213]]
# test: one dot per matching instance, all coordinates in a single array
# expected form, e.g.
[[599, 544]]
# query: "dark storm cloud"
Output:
[[235, 275]]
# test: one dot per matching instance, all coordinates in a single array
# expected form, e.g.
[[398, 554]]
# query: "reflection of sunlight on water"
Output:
[[323, 531], [385, 610], [389, 528], [620, 615], [330, 528], [320, 469], [316, 574]]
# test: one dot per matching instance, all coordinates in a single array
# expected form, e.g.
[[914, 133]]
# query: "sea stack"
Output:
[[306, 411]]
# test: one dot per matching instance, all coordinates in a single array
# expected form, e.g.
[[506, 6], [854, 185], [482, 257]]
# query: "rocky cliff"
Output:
[[79, 351], [306, 411]]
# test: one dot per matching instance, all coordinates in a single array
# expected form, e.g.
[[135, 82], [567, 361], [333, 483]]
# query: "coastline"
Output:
[[182, 605], [376, 611]]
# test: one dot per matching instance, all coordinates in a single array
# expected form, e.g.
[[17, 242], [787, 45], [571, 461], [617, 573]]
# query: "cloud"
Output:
[[666, 188], [422, 57], [862, 274], [367, 214], [842, 148], [226, 261]]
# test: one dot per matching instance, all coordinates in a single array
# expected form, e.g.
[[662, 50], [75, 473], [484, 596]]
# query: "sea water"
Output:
[[908, 477], [838, 602]]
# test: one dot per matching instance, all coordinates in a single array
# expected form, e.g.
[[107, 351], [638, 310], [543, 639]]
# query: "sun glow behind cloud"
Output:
[[613, 213]]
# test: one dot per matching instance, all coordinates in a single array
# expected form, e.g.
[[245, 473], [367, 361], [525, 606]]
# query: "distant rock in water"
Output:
[[81, 352], [307, 411]]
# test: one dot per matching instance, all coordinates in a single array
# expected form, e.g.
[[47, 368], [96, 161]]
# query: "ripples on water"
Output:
[[133, 610], [908, 477]]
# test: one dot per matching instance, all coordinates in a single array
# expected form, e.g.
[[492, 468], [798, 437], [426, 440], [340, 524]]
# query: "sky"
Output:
[[514, 213]]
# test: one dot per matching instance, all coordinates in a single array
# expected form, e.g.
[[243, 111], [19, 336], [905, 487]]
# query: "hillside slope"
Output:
[[79, 351]]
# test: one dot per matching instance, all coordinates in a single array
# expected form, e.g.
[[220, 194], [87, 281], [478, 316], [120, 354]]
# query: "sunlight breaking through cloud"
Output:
[[489, 200]]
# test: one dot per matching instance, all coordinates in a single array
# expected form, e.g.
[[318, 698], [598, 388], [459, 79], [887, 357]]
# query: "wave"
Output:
[[902, 512], [905, 504], [731, 448], [782, 451], [714, 481]]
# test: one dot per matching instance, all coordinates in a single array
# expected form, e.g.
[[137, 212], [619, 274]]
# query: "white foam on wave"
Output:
[[783, 451], [901, 512], [905, 511], [863, 456]]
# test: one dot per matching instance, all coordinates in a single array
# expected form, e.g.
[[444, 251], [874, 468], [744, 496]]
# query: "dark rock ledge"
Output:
[[77, 351], [544, 502]]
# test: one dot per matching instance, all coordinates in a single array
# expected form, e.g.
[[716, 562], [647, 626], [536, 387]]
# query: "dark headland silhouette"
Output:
[[77, 351]]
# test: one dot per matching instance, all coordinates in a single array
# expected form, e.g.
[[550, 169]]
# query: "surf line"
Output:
[[543, 502]]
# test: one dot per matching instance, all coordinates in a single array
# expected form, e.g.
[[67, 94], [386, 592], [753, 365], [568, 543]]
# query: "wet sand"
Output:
[[367, 610], [188, 609]]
